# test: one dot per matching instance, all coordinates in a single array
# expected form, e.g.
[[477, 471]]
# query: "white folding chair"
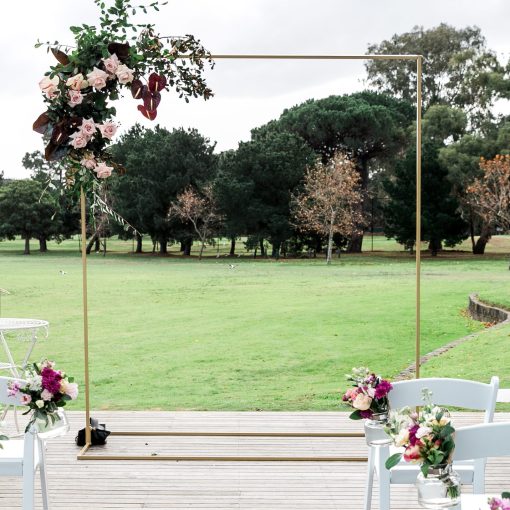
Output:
[[462, 393], [22, 457]]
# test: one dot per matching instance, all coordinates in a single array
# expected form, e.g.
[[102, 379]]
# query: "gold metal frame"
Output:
[[83, 455]]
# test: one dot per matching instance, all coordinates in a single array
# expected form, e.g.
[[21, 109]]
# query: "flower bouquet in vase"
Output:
[[46, 391], [369, 399], [427, 438]]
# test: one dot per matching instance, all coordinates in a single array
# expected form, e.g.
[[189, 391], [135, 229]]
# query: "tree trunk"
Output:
[[356, 241], [485, 236], [97, 243], [330, 239], [43, 246], [91, 243], [232, 246], [138, 243], [262, 249], [163, 246], [275, 253], [434, 246], [27, 246], [188, 243], [183, 246], [202, 246]]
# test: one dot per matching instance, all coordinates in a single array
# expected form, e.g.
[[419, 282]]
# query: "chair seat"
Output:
[[11, 458]]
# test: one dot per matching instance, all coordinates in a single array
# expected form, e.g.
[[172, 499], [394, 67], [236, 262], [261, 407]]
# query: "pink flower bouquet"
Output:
[[369, 395], [44, 391], [502, 503]]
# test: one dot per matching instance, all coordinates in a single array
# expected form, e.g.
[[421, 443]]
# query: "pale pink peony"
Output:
[[97, 78], [103, 170], [75, 98], [79, 140], [362, 402], [111, 63], [49, 86], [70, 389], [89, 162], [77, 82], [88, 127], [124, 74], [108, 129], [26, 399], [46, 395]]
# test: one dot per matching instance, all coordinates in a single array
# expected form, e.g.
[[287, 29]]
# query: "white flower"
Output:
[[124, 74], [423, 431], [35, 383], [39, 404], [402, 437]]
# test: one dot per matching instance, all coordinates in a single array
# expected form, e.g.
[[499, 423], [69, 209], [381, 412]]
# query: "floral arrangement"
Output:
[[78, 124], [502, 503], [427, 437], [369, 395], [44, 390]]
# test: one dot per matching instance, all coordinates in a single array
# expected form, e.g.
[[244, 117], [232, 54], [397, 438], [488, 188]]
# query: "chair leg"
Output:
[[28, 489], [42, 474], [370, 479], [384, 484], [479, 476]]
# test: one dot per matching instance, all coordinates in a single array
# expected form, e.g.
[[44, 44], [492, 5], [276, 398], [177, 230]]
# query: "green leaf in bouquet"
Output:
[[393, 460], [356, 415]]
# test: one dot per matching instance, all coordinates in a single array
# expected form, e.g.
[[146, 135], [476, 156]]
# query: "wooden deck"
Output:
[[108, 485]]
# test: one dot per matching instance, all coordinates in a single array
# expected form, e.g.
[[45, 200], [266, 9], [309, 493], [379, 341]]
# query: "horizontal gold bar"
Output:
[[221, 459], [241, 434]]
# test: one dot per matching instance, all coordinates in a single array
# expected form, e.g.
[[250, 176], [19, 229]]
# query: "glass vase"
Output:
[[374, 429], [439, 489], [57, 427]]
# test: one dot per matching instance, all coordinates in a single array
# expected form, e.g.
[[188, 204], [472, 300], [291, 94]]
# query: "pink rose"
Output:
[[103, 170], [362, 402], [89, 162], [97, 78], [71, 390], [111, 63], [77, 82], [88, 127], [108, 129], [412, 453], [46, 395], [75, 98], [79, 140], [49, 86], [26, 399], [124, 74]]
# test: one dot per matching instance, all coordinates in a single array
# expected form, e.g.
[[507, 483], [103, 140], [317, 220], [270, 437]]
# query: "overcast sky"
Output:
[[247, 94]]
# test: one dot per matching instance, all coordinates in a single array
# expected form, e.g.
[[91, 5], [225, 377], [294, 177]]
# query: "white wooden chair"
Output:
[[462, 393], [482, 441], [22, 457]]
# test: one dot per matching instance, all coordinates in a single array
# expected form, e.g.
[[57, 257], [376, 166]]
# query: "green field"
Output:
[[171, 333]]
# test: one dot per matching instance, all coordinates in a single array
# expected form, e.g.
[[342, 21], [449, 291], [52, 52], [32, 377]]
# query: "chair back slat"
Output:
[[471, 395], [5, 399], [481, 441]]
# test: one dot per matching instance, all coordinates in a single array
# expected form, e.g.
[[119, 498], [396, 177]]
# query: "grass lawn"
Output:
[[170, 333]]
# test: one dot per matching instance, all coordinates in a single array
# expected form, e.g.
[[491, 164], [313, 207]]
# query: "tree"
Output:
[[160, 165], [462, 159], [328, 203], [490, 194], [366, 126], [25, 211], [255, 184], [459, 70], [441, 221], [200, 210]]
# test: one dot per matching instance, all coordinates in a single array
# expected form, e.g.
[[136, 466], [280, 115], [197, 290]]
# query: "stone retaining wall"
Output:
[[486, 313]]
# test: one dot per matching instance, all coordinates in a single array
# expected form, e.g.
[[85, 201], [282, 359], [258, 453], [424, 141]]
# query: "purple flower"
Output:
[[412, 435], [382, 389], [366, 414], [51, 380]]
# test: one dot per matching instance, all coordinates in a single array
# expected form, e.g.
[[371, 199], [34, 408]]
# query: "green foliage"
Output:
[[441, 221], [393, 460], [458, 70]]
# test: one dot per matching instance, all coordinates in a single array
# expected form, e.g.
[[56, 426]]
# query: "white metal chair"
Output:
[[22, 457], [462, 393]]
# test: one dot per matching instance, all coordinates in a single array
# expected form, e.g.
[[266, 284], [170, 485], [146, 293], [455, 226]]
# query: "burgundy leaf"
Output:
[[120, 49], [149, 114], [60, 56], [41, 123]]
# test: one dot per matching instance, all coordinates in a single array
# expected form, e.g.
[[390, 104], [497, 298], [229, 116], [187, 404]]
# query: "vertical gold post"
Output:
[[419, 61], [85, 316]]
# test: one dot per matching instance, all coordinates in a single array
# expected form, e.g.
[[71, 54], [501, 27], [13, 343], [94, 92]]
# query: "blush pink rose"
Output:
[[88, 127], [79, 140], [46, 395], [75, 98], [77, 82], [97, 78], [49, 86], [70, 389], [362, 402], [89, 162], [103, 170], [108, 129], [124, 74], [111, 63]]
